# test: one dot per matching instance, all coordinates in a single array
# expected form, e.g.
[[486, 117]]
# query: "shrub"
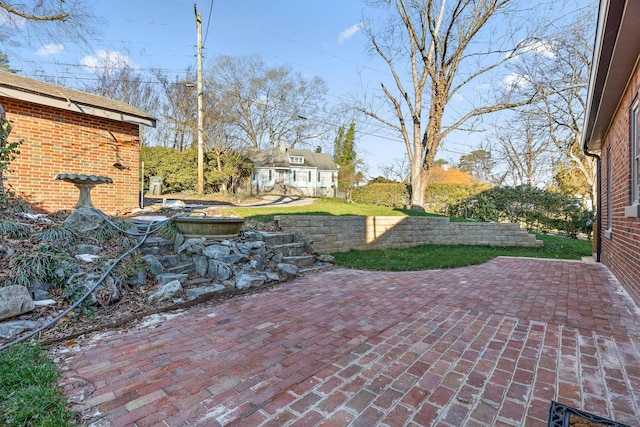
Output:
[[391, 195], [535, 208], [448, 199]]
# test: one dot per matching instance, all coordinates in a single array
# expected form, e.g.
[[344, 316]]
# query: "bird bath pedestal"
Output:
[[84, 183]]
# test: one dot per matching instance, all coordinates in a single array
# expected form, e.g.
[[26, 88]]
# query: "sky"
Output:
[[317, 38]]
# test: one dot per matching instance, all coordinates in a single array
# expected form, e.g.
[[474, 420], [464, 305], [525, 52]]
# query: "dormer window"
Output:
[[296, 159]]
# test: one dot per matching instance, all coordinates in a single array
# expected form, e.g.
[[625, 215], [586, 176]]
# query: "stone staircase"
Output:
[[294, 249], [282, 247]]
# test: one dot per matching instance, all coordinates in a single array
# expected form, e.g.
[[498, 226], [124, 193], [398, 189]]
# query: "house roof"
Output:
[[30, 90], [277, 158], [615, 56]]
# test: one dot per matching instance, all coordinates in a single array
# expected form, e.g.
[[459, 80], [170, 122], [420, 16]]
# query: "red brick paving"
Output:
[[485, 345]]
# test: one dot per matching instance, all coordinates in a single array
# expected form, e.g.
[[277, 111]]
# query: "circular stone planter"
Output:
[[209, 226]]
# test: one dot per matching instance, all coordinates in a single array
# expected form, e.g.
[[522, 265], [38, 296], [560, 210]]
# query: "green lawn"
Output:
[[29, 395], [319, 207], [449, 256]]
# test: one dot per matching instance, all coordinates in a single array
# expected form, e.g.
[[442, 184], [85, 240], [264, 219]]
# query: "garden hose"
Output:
[[55, 320]]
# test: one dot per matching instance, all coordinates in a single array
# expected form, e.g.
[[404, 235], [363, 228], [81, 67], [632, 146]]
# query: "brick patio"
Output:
[[487, 345]]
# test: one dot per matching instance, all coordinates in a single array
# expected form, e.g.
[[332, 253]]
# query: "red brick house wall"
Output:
[[621, 243], [60, 141]]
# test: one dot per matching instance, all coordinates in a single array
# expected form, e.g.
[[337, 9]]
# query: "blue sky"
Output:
[[319, 37]]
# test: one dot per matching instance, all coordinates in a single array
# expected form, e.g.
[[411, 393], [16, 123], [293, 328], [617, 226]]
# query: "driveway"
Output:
[[487, 345]]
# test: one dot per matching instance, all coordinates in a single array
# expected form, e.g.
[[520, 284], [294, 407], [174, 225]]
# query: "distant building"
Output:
[[295, 172]]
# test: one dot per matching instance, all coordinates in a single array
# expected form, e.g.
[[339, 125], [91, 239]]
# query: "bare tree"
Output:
[[525, 149], [46, 21], [434, 49], [270, 104], [396, 170], [178, 125], [561, 77]]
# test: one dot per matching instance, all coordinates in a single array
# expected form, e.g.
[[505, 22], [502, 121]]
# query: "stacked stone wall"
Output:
[[344, 233]]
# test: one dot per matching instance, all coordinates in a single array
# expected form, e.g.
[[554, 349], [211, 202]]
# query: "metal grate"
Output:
[[559, 417]]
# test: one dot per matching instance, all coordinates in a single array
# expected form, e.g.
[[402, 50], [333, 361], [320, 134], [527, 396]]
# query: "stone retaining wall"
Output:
[[343, 233]]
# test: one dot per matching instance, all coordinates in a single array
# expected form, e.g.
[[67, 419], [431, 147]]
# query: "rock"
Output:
[[290, 270], [326, 258], [247, 247], [170, 260], [234, 259], [9, 330], [272, 277], [256, 263], [82, 249], [166, 292], [84, 220], [44, 302], [216, 251], [138, 279], [244, 281], [218, 270], [154, 264], [193, 293], [165, 278], [178, 241], [253, 235], [192, 246], [38, 294], [14, 300], [201, 264]]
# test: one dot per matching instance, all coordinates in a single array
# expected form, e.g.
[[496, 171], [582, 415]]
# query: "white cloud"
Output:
[[544, 48], [50, 49], [350, 32], [106, 59], [515, 81]]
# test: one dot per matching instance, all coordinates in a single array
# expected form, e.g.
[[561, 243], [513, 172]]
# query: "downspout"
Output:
[[586, 152]]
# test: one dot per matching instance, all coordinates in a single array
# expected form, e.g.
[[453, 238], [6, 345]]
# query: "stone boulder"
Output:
[[166, 292], [84, 220], [14, 300]]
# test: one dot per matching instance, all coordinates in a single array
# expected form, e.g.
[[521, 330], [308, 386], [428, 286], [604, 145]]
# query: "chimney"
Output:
[[282, 147]]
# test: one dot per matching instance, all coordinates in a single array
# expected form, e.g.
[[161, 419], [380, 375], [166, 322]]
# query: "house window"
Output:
[[634, 160], [294, 176], [309, 176], [296, 159], [270, 175]]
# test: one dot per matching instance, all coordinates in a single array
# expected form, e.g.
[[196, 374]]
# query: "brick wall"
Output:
[[621, 247], [343, 233], [59, 141]]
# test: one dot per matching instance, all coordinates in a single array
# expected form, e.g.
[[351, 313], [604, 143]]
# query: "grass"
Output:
[[29, 395], [450, 256], [319, 207]]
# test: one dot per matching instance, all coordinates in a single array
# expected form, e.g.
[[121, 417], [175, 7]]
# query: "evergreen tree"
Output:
[[346, 158]]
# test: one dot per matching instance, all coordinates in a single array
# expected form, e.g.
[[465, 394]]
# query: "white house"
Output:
[[292, 171]]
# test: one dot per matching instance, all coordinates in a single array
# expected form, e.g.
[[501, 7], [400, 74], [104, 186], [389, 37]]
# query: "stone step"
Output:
[[275, 239], [186, 268], [289, 249], [300, 261]]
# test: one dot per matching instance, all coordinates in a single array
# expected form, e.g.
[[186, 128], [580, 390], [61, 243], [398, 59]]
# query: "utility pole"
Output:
[[200, 106]]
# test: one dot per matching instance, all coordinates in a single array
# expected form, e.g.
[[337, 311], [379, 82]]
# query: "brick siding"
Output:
[[621, 251], [59, 141]]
